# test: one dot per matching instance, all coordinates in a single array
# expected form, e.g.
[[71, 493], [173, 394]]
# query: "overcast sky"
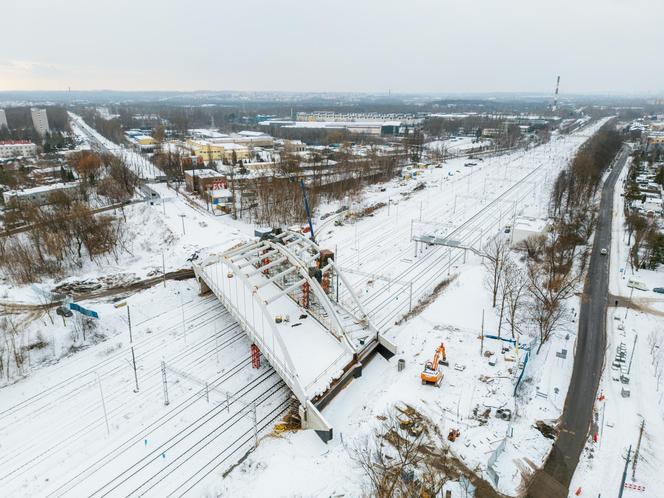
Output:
[[336, 45]]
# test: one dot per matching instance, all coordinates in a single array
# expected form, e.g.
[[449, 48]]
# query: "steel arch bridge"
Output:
[[284, 291]]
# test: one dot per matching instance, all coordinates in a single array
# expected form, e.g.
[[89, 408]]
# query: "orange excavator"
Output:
[[432, 373]]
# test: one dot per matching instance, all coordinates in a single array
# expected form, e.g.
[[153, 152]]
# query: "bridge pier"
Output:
[[203, 287], [311, 418]]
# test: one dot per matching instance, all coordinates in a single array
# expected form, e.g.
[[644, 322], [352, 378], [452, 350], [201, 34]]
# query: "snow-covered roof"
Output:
[[41, 189], [222, 193], [204, 173], [248, 133]]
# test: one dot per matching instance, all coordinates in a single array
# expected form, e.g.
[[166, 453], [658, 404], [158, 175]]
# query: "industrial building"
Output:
[[40, 195], [213, 151], [374, 128], [203, 180], [247, 138], [403, 118]]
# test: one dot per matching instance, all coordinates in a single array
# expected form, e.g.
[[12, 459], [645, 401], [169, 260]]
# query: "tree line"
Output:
[[532, 288], [64, 231]]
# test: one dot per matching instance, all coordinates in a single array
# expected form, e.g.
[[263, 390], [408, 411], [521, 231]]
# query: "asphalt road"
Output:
[[554, 479]]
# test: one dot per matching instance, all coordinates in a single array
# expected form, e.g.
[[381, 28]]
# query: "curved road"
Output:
[[554, 479]]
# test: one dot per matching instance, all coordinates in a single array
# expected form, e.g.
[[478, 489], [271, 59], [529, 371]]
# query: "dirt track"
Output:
[[11, 308]]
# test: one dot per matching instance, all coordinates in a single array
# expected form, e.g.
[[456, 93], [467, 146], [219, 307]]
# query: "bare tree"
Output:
[[515, 285], [549, 286], [495, 258], [403, 458]]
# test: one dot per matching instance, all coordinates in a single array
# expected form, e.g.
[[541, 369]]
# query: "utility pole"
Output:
[[164, 382], [630, 299], [638, 447], [624, 476], [131, 343], [184, 329], [629, 367], [482, 336], [336, 255], [449, 260], [216, 350], [103, 404], [163, 267], [182, 217]]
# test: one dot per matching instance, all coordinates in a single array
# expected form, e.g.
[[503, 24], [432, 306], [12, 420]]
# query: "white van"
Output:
[[637, 284]]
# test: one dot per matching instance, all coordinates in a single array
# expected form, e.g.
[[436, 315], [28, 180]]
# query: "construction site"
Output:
[[301, 348]]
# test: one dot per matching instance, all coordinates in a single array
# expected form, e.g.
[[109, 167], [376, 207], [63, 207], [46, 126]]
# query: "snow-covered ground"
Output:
[[459, 145], [61, 404], [617, 418]]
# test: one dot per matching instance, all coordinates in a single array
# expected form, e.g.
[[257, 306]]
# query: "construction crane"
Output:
[[554, 107], [432, 373], [306, 208]]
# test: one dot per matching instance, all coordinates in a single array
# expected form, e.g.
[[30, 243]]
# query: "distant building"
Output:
[[40, 121], [141, 142], [15, 148], [202, 180], [294, 146], [248, 138], [375, 128], [3, 119], [655, 138], [212, 151], [409, 119], [41, 195]]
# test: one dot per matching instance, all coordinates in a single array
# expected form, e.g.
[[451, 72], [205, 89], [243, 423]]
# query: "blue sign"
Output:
[[82, 310]]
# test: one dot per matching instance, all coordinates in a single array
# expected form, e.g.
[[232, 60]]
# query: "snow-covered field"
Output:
[[617, 418], [53, 435], [459, 145]]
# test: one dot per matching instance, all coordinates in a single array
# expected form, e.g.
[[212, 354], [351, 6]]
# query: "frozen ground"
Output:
[[53, 436], [618, 419], [458, 145]]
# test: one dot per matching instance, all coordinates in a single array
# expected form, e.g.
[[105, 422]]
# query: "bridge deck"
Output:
[[318, 358], [280, 292]]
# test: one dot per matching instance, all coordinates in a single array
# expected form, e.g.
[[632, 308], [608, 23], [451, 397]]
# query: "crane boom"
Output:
[[306, 207]]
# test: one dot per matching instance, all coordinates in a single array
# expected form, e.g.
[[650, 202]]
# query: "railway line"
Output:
[[205, 430], [480, 224]]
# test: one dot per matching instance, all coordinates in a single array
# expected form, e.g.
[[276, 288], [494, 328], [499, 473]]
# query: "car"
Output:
[[64, 311], [604, 252], [658, 290]]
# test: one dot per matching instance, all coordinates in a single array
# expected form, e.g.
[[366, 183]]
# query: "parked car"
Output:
[[604, 252], [658, 290], [64, 311], [637, 284]]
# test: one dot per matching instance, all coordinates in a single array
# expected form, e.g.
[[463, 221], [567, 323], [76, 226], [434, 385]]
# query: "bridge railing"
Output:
[[235, 292]]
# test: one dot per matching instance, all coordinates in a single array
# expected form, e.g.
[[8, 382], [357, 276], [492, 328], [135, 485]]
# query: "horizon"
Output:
[[424, 47]]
